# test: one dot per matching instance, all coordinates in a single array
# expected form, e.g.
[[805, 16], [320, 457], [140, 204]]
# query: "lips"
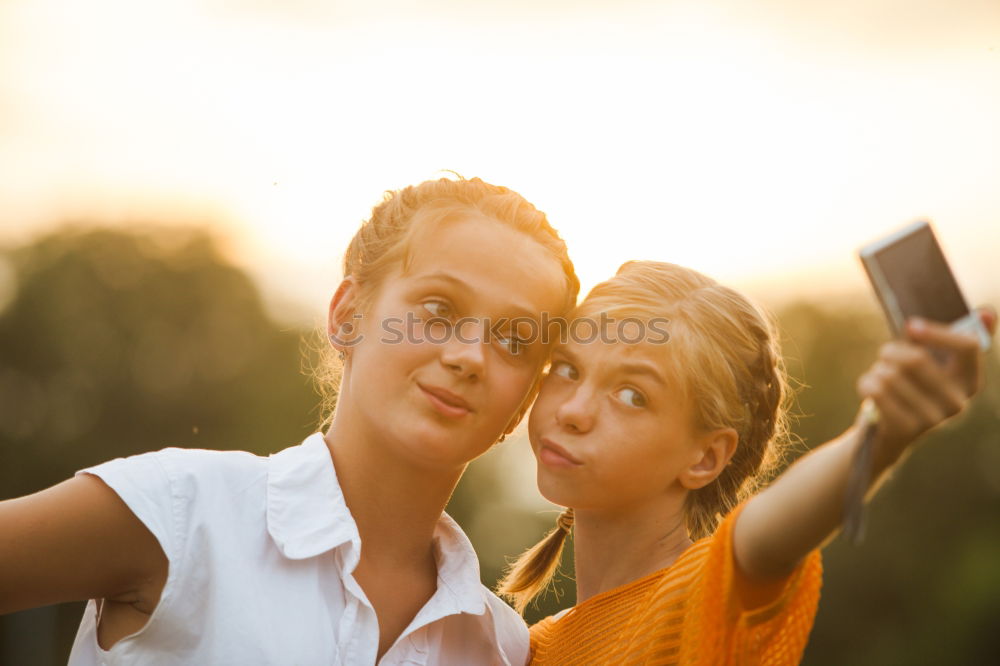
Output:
[[553, 455], [445, 402]]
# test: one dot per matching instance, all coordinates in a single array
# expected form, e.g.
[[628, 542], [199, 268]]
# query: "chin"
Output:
[[554, 491], [432, 448]]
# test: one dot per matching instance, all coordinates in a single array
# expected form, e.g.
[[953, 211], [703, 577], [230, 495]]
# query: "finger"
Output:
[[896, 422], [924, 407], [941, 336], [874, 384], [895, 419], [963, 355], [929, 378], [988, 315], [912, 407]]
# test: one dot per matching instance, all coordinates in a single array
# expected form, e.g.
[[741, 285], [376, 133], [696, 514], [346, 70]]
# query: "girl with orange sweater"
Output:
[[655, 437]]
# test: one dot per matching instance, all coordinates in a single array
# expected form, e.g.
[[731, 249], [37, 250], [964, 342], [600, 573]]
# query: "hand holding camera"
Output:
[[923, 378]]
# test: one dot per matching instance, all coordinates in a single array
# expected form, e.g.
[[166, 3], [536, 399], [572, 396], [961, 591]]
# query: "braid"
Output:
[[763, 392], [532, 572]]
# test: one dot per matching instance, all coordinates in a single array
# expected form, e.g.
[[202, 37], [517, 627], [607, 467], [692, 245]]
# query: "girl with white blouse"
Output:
[[336, 551]]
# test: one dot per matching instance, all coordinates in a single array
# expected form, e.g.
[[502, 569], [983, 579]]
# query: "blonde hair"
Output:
[[384, 242], [726, 360]]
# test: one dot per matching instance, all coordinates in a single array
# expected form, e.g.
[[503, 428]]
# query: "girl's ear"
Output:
[[714, 451], [341, 324]]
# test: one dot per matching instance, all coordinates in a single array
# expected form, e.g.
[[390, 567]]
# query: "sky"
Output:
[[760, 142]]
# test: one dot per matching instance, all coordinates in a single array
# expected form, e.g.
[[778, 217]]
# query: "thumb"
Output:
[[988, 316]]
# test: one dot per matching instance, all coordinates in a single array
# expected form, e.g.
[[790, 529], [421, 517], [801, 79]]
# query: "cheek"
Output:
[[545, 406], [512, 385], [655, 472], [399, 351]]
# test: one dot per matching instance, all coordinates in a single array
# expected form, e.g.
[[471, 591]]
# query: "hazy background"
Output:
[[213, 158], [759, 141]]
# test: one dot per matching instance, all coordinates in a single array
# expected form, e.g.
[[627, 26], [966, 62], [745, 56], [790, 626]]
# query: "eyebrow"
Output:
[[644, 368], [562, 350], [517, 310]]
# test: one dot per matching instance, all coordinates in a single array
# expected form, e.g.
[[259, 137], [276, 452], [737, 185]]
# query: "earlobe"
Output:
[[341, 326], [715, 450]]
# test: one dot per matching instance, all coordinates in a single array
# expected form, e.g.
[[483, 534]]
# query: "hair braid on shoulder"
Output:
[[532, 572]]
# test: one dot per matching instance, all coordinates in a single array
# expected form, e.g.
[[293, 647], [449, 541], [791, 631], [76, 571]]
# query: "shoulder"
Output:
[[169, 489], [220, 471], [182, 468], [511, 631], [541, 634], [734, 594], [504, 617], [544, 626]]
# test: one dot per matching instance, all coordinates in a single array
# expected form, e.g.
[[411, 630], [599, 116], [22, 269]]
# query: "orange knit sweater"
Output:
[[699, 611]]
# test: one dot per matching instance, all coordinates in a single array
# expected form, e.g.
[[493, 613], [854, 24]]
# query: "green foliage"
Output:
[[923, 588], [115, 343]]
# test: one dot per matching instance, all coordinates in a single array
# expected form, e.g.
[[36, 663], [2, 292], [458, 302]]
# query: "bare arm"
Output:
[[77, 540], [804, 507]]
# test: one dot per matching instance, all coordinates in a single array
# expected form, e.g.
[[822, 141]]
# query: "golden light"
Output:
[[759, 146]]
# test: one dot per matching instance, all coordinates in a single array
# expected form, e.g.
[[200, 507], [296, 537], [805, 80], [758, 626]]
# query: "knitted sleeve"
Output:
[[725, 626]]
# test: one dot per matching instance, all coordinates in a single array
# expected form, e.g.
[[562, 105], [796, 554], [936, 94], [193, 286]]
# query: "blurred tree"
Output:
[[924, 587], [118, 342]]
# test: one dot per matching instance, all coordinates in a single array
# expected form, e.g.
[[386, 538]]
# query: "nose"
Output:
[[576, 414], [464, 352]]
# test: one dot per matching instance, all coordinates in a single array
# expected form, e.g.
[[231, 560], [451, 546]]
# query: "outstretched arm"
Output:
[[77, 540], [803, 508]]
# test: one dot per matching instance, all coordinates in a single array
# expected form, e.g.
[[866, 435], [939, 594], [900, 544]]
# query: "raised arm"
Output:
[[803, 508], [77, 540]]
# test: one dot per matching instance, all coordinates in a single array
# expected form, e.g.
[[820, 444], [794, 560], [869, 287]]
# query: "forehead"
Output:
[[616, 339], [607, 348], [501, 267]]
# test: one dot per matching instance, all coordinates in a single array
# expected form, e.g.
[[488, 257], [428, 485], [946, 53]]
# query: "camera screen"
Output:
[[921, 279]]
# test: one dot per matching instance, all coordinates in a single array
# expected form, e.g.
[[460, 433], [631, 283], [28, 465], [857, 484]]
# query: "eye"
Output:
[[438, 309], [631, 397], [513, 345], [564, 370]]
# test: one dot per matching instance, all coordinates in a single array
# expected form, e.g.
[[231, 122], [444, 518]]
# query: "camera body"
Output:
[[912, 278]]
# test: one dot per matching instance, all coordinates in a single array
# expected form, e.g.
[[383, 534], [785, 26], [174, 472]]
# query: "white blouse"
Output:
[[261, 553]]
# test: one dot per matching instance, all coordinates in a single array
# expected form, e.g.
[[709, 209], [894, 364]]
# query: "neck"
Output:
[[612, 548], [395, 504]]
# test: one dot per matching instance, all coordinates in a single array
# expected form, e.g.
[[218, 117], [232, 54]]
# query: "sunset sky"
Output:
[[761, 142]]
